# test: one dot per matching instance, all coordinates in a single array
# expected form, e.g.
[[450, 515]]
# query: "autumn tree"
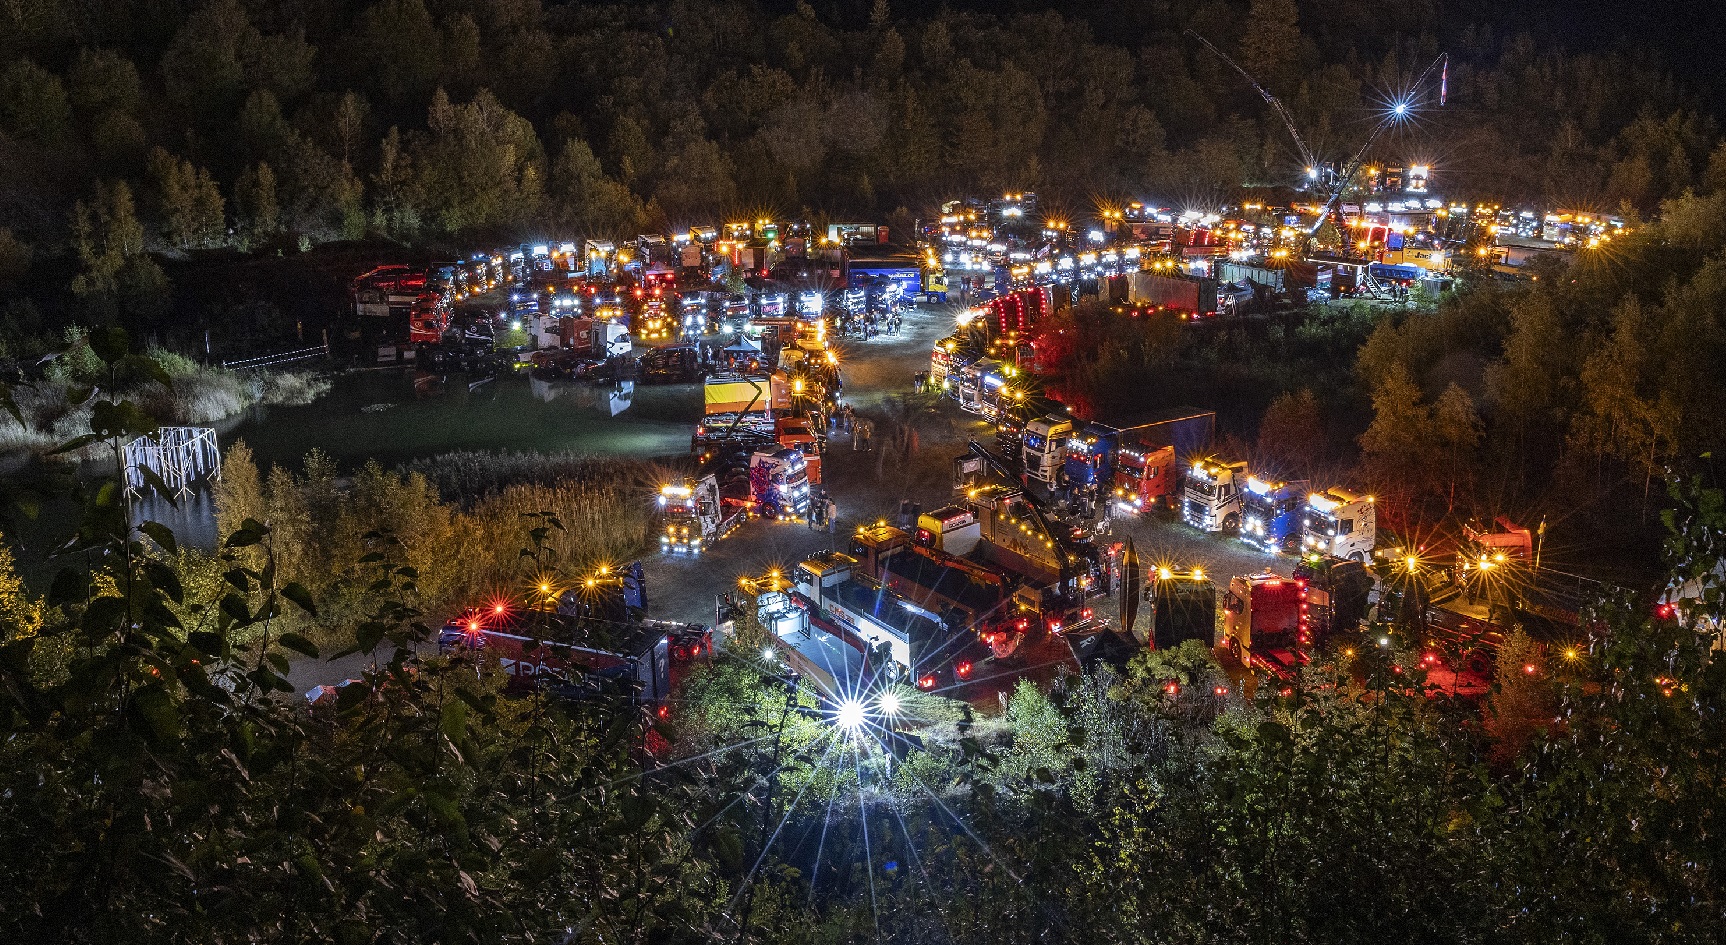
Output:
[[1398, 445], [1292, 435], [257, 213], [188, 202]]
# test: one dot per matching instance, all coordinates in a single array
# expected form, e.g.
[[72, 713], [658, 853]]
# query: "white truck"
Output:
[[1340, 524], [1043, 451], [697, 514], [1211, 498]]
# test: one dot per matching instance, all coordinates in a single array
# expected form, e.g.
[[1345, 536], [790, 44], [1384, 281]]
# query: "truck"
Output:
[[960, 592], [1099, 453], [917, 644], [779, 484], [1211, 495], [1267, 622], [1163, 606], [697, 514], [797, 433], [1340, 524], [1043, 449], [1055, 567], [1272, 514], [595, 643], [739, 406], [671, 364]]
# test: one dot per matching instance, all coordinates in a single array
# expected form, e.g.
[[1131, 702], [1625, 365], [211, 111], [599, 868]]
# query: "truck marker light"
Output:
[[963, 670]]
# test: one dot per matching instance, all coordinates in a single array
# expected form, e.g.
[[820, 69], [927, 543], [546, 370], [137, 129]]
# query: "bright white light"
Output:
[[515, 325], [850, 715], [1384, 641], [767, 653], [889, 703], [1400, 109]]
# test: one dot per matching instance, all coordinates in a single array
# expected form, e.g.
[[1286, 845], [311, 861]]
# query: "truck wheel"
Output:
[[1231, 524], [1235, 649], [1358, 556]]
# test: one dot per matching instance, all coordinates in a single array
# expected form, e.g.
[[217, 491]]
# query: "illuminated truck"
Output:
[[844, 601], [1340, 524], [1211, 497], [1043, 448], [1273, 514], [1268, 623], [1135, 464]]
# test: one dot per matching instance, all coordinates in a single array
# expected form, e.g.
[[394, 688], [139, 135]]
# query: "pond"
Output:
[[395, 416]]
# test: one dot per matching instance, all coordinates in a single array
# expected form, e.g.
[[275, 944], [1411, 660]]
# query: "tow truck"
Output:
[[1272, 514], [697, 514], [1212, 495], [841, 600]]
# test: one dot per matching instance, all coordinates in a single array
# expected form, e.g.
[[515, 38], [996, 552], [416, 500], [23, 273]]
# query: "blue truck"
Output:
[[1094, 450], [1272, 514]]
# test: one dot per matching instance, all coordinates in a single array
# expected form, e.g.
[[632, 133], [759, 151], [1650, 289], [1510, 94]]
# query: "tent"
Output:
[[743, 346]]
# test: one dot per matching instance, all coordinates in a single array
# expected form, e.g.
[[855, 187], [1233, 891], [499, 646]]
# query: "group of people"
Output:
[[860, 429]]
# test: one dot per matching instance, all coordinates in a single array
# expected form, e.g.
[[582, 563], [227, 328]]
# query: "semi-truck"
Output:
[[1273, 514], [779, 484], [1267, 622], [1340, 524], [1043, 449], [697, 513], [1211, 496], [961, 593], [871, 617], [1136, 462]]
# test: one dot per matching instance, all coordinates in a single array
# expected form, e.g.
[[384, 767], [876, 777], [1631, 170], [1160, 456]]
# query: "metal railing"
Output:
[[278, 359]]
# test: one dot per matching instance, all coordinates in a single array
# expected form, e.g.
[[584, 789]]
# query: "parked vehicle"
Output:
[[1341, 524], [1211, 496], [1273, 514], [697, 513]]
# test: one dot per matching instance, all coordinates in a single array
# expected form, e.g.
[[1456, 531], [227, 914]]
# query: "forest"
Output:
[[135, 137]]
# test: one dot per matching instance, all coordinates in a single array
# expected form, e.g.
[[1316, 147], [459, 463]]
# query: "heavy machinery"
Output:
[[1340, 524], [698, 513], [1272, 514], [857, 608], [1211, 496]]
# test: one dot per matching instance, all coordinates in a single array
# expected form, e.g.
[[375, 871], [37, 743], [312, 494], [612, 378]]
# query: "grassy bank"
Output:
[[54, 408]]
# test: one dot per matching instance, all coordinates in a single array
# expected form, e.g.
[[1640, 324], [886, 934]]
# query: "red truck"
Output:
[[1268, 623]]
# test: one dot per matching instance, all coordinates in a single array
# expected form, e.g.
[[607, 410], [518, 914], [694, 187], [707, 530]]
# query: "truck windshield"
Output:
[[1325, 525], [1034, 441], [1200, 487]]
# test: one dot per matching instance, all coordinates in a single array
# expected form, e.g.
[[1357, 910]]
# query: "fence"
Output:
[[177, 456], [279, 358]]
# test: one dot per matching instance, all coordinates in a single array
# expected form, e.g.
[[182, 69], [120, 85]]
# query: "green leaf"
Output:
[[74, 444], [452, 719], [299, 644], [206, 642], [161, 535], [166, 579], [235, 606], [69, 586], [156, 482], [110, 343], [297, 593]]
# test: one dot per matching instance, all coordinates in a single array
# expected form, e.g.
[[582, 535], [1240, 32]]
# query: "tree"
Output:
[[1397, 446], [109, 241], [1272, 41], [33, 103], [480, 166], [188, 202], [1292, 435], [257, 215], [396, 199], [1457, 430], [586, 200]]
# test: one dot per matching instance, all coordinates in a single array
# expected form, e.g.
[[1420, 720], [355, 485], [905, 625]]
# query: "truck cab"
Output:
[[1211, 498], [1144, 477], [1341, 524], [697, 514], [1090, 459], [1272, 514], [779, 484], [797, 434], [1044, 448], [1266, 620]]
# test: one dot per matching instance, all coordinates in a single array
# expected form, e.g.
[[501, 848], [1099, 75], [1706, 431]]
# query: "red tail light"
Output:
[[1221, 690], [664, 712], [926, 682], [1173, 688], [963, 669]]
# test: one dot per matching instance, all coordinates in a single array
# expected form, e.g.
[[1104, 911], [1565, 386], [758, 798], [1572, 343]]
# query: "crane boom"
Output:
[[1275, 103], [1353, 166]]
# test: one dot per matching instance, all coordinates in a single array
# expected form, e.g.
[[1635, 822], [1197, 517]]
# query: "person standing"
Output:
[[831, 510]]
